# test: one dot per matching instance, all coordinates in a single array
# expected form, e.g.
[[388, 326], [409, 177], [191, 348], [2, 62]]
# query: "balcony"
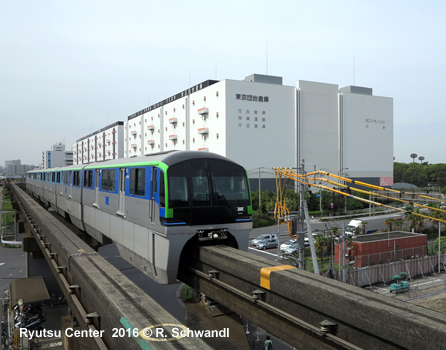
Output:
[[203, 111]]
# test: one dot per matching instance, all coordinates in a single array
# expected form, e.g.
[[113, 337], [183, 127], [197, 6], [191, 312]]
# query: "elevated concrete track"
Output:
[[99, 296], [291, 304]]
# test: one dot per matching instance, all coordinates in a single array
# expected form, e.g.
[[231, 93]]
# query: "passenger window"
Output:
[[177, 186], [229, 180], [67, 177], [108, 180], [200, 183], [154, 181], [162, 191], [138, 182], [76, 178], [88, 178]]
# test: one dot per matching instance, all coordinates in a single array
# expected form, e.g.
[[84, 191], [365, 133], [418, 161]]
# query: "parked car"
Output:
[[286, 244], [267, 243], [292, 249], [264, 237]]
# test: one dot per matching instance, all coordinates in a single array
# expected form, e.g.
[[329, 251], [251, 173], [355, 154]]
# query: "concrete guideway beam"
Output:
[[99, 295], [363, 318]]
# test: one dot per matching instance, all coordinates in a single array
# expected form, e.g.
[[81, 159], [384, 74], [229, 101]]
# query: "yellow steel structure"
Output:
[[285, 175]]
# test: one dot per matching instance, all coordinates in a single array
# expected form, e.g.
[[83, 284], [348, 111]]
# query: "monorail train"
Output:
[[152, 206]]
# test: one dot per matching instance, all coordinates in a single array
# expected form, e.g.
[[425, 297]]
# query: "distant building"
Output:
[[261, 123], [381, 248], [14, 167], [104, 144], [12, 162], [56, 157]]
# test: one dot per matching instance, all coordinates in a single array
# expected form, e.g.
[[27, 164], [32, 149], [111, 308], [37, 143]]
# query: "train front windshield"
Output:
[[211, 183]]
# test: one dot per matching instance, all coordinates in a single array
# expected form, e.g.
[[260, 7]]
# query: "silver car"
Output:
[[286, 244], [267, 243], [264, 237]]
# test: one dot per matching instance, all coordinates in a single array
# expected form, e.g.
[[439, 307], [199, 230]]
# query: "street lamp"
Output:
[[413, 156], [345, 198]]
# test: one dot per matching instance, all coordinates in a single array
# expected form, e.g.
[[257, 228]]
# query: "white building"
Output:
[[261, 123], [103, 144], [56, 157]]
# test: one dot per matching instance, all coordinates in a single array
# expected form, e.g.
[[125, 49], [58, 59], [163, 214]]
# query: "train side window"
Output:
[[58, 177], [155, 181], [200, 183], [88, 178], [66, 177], [108, 180], [137, 182], [76, 178], [162, 191]]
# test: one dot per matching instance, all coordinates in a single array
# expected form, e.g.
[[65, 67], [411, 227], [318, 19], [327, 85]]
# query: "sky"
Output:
[[69, 68]]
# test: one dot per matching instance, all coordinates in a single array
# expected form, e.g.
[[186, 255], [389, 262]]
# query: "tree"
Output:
[[435, 214], [442, 245], [321, 245], [416, 222], [361, 229], [390, 223]]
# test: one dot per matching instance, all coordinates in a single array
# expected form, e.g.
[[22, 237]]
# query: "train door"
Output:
[[96, 187], [67, 183], [70, 184], [121, 207]]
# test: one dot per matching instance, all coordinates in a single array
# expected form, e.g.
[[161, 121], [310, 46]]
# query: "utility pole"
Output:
[[260, 194], [302, 218], [344, 272], [439, 246]]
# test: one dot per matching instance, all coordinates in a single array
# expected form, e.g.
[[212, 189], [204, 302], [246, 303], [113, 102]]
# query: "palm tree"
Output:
[[389, 223], [363, 227], [416, 222], [435, 215], [321, 245]]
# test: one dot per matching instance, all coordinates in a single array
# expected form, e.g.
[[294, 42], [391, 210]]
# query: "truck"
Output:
[[371, 224]]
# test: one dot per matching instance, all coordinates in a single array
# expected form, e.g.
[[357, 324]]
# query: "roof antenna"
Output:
[[353, 70], [266, 56]]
